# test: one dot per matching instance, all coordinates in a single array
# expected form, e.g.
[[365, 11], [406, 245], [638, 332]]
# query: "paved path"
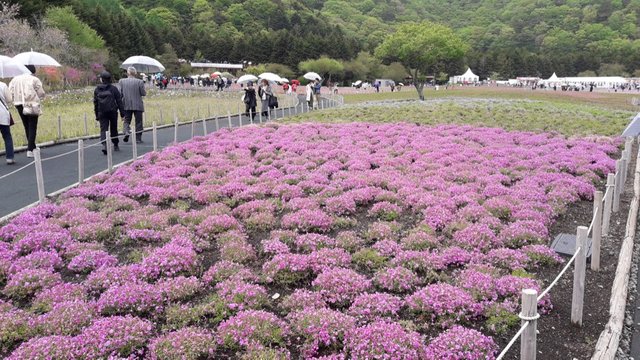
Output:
[[20, 189]]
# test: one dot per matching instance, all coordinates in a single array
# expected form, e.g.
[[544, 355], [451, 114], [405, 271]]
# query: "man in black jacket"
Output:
[[107, 100]]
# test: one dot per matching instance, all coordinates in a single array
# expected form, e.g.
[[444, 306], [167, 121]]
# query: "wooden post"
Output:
[[617, 188], [134, 149], [86, 126], [608, 203], [229, 118], [109, 151], [596, 236], [239, 116], [260, 117], [175, 131], [193, 128], [268, 114], [59, 127], [39, 177], [626, 157], [80, 161], [204, 127], [155, 136], [528, 339], [282, 112], [217, 124], [577, 299], [321, 104]]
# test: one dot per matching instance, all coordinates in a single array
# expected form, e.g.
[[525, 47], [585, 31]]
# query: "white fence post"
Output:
[[59, 127], [217, 124], [109, 151], [86, 126], [579, 272], [134, 149], [175, 131], [193, 127], [596, 231], [80, 161], [204, 127], [260, 117], [608, 203], [39, 176], [528, 339], [229, 118], [155, 136], [618, 187]]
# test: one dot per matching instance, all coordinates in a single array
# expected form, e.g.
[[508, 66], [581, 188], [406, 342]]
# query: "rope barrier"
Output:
[[60, 155], [15, 171], [513, 340], [555, 281]]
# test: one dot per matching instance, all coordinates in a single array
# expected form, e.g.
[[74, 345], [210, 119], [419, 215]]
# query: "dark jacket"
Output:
[[116, 94], [250, 97]]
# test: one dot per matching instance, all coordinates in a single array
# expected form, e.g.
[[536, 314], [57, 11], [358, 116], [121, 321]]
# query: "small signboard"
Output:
[[565, 244]]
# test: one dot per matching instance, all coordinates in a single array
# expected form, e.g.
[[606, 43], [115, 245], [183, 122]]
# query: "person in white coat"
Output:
[[5, 123], [311, 94]]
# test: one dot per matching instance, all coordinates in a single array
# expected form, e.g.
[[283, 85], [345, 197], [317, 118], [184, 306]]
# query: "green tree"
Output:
[[77, 31], [422, 48], [324, 66]]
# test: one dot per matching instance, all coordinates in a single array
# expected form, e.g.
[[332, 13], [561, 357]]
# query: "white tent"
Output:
[[553, 78], [467, 77]]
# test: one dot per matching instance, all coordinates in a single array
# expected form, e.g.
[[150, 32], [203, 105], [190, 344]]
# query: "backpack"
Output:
[[106, 100]]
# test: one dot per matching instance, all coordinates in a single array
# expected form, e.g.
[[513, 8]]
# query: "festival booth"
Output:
[[467, 78]]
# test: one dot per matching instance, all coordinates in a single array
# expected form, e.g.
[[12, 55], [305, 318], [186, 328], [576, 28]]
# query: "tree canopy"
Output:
[[423, 48]]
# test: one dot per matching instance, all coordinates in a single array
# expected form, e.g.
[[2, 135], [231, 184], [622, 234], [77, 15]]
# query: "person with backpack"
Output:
[[265, 92], [107, 101]]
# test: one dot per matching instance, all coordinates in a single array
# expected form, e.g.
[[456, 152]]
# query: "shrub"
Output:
[[88, 260], [385, 340], [66, 318], [184, 344], [443, 304], [321, 329], [252, 327], [396, 279], [340, 286], [375, 306], [119, 336], [29, 282], [461, 343], [54, 347]]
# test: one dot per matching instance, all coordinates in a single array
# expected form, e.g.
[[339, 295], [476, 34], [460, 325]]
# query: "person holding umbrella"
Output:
[[132, 90], [250, 100], [107, 100], [26, 93], [311, 94]]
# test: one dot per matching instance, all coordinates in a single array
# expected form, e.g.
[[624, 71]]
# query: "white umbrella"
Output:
[[246, 78], [312, 76], [143, 63], [284, 80], [217, 73], [270, 77], [357, 83], [11, 68], [36, 59]]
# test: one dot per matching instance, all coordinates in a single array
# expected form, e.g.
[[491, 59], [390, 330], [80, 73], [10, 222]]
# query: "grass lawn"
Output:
[[608, 100], [159, 107], [570, 119]]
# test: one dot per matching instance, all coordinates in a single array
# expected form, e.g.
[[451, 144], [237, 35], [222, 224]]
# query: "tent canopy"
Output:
[[469, 74]]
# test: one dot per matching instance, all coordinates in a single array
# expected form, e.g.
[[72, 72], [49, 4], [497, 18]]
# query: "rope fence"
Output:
[[604, 204]]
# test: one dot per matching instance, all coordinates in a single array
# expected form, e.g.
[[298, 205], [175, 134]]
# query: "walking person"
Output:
[[107, 101], [26, 93], [5, 122], [132, 90], [311, 95], [250, 100], [265, 93]]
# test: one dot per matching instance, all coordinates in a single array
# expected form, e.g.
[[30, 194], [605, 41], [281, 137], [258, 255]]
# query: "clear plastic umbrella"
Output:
[[10, 68], [36, 59], [270, 77], [143, 64], [312, 76], [246, 78]]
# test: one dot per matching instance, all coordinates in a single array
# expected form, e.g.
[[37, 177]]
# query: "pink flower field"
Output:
[[352, 241]]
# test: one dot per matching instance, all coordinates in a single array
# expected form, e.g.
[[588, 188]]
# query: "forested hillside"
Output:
[[507, 37]]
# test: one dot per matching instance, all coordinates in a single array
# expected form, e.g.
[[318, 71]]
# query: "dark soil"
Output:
[[558, 338]]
